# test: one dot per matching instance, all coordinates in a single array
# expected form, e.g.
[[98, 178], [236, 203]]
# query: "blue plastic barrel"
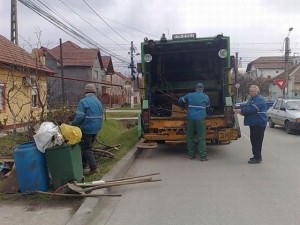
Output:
[[31, 168]]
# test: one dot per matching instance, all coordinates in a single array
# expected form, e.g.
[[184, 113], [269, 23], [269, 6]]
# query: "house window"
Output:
[[34, 102], [97, 74], [2, 99]]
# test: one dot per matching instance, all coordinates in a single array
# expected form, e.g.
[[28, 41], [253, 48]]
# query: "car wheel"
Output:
[[271, 124], [287, 126]]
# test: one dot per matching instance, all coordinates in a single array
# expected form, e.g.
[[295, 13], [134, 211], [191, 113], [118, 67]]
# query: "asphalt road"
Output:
[[226, 190]]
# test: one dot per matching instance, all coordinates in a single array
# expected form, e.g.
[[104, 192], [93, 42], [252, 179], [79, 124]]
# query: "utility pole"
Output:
[[287, 51], [62, 74], [131, 66], [236, 71], [14, 22]]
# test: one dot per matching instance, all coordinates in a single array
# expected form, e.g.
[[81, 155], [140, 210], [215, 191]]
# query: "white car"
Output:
[[286, 113]]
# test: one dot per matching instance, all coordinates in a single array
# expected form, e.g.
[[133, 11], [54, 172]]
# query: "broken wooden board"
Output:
[[10, 184], [77, 195]]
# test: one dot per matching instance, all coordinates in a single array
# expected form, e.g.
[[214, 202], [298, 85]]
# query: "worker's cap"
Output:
[[90, 88], [199, 86]]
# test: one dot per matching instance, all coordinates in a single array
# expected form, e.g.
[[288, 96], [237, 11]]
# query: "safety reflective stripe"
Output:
[[182, 99], [197, 106], [79, 112], [93, 117], [255, 106]]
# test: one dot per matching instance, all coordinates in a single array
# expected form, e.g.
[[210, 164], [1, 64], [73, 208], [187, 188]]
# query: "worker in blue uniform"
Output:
[[89, 118], [254, 112], [196, 103]]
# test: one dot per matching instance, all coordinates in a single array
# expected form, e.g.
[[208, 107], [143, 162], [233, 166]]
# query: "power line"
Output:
[[91, 25], [105, 21], [74, 32], [116, 22]]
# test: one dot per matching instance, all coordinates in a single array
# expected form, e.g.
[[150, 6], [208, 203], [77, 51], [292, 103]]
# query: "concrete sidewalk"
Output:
[[61, 213], [86, 211]]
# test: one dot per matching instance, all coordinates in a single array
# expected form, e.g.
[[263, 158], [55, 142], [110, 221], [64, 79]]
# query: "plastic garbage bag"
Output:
[[71, 134], [47, 136]]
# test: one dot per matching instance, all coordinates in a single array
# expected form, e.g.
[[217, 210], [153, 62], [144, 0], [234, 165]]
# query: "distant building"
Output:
[[120, 93], [80, 66], [267, 67], [108, 65], [293, 85]]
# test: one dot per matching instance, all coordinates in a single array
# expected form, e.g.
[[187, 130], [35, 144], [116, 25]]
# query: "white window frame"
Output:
[[34, 99]]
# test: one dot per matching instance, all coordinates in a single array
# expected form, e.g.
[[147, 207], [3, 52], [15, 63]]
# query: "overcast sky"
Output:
[[256, 28]]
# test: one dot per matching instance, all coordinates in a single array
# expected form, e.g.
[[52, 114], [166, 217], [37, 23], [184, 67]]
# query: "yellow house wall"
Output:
[[20, 96]]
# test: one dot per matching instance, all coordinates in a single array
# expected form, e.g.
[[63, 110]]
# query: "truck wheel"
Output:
[[271, 124], [287, 127]]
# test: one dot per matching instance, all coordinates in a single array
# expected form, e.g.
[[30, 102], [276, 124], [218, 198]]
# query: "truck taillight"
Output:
[[228, 116]]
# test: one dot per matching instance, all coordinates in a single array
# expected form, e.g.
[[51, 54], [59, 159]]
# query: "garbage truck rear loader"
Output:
[[170, 69]]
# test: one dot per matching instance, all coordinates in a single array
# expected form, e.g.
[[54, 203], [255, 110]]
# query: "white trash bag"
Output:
[[47, 136]]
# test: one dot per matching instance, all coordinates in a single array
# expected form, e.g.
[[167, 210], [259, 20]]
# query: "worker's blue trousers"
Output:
[[86, 150]]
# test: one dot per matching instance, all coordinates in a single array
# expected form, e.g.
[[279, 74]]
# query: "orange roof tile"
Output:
[[14, 55], [268, 62], [73, 55], [107, 64]]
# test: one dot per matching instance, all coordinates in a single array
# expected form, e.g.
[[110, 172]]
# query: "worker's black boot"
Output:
[[254, 161]]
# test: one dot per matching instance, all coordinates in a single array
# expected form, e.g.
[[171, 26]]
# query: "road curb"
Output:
[[84, 214]]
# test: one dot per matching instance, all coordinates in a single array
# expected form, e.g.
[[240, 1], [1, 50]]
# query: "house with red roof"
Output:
[[108, 65], [23, 85], [292, 78], [267, 67], [274, 68], [78, 67], [121, 91], [270, 66]]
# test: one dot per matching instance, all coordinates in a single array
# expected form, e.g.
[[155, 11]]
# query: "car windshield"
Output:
[[293, 105]]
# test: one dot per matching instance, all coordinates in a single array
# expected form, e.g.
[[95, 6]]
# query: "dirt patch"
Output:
[[37, 202]]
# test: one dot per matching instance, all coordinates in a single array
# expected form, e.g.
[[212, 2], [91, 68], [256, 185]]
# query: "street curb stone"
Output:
[[85, 212]]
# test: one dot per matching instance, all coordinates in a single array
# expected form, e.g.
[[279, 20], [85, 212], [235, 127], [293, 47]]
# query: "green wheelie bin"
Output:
[[65, 164]]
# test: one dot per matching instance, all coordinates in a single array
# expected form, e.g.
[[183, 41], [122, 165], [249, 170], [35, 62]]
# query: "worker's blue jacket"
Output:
[[255, 111], [196, 103], [88, 114]]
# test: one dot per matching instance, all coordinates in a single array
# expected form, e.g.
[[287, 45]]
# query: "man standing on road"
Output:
[[196, 103], [255, 117], [89, 118]]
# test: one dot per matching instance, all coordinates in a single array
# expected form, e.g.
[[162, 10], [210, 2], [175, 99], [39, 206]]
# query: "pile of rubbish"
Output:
[[53, 158], [50, 135], [47, 135]]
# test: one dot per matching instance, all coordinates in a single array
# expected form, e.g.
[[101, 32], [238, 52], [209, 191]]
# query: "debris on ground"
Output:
[[105, 150], [10, 183], [84, 189]]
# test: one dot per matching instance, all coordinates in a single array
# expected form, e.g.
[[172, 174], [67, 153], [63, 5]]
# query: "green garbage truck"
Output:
[[170, 68]]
